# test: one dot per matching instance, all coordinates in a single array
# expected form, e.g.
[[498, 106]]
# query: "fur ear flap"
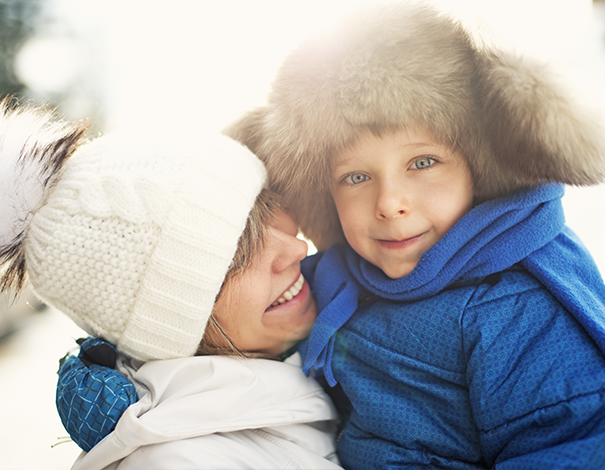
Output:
[[536, 129], [248, 130], [309, 204], [34, 146]]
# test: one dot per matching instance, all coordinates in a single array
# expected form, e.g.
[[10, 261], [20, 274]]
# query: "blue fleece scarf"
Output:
[[526, 228]]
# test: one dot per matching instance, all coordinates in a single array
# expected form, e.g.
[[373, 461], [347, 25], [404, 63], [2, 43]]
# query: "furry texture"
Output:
[[34, 145], [403, 65]]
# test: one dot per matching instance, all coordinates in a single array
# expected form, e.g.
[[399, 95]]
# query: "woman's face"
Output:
[[269, 307]]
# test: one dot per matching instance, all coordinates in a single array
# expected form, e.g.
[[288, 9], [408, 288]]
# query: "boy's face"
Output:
[[397, 195]]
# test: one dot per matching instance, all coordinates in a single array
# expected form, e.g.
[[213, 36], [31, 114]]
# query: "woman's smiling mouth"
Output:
[[292, 292]]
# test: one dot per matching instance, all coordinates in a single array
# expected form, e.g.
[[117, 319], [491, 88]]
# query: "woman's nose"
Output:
[[391, 202], [289, 250]]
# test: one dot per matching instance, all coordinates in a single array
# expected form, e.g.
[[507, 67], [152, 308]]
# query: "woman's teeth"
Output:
[[291, 292]]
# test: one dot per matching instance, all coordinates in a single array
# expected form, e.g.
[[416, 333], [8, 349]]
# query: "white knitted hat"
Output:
[[135, 238]]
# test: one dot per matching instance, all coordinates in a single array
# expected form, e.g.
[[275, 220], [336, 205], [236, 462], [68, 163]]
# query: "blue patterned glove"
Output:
[[91, 394]]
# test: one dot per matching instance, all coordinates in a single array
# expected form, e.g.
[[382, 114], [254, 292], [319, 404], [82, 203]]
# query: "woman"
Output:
[[164, 250]]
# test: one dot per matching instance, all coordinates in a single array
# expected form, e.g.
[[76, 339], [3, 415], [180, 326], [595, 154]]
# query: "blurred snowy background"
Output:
[[199, 64]]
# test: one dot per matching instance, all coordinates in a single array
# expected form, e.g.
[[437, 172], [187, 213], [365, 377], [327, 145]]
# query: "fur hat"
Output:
[[130, 236], [403, 65]]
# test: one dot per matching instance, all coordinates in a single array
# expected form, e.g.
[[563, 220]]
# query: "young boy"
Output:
[[463, 321]]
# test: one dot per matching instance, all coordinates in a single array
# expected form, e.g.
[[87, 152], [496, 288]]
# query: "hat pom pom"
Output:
[[34, 145]]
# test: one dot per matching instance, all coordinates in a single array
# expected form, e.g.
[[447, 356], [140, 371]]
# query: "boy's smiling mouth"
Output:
[[398, 244], [290, 293]]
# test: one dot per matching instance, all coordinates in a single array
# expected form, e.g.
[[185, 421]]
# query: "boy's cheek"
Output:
[[361, 244], [356, 222]]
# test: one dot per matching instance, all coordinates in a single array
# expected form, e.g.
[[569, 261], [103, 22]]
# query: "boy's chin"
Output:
[[395, 270]]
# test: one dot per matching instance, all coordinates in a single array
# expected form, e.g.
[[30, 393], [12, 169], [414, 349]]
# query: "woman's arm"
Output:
[[91, 394]]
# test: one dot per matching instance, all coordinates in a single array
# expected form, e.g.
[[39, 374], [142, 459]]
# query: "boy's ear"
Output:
[[536, 127]]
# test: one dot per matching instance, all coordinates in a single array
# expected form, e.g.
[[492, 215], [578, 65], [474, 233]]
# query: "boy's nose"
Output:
[[391, 204]]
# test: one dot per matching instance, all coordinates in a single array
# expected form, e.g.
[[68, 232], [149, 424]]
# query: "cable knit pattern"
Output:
[[136, 237]]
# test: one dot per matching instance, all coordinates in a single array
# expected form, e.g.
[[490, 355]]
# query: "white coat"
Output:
[[214, 412]]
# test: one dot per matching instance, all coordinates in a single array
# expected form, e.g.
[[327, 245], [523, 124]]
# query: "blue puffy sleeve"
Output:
[[91, 394], [536, 379]]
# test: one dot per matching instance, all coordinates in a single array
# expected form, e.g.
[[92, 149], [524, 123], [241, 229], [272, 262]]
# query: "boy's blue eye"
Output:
[[423, 163], [356, 178]]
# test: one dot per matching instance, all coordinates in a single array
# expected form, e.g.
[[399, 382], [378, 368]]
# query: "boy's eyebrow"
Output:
[[413, 145], [410, 145], [342, 163], [337, 166], [420, 144]]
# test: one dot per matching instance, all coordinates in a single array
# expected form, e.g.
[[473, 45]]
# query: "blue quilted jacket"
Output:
[[490, 354]]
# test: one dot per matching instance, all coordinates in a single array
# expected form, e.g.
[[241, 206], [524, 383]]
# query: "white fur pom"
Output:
[[34, 144]]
